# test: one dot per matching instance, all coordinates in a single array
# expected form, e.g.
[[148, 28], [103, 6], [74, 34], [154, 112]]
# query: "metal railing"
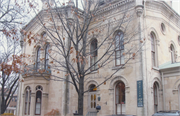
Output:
[[34, 69]]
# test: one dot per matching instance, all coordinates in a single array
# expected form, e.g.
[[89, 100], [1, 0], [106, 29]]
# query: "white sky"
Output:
[[176, 6]]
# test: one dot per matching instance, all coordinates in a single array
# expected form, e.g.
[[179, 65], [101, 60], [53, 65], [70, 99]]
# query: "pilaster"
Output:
[[32, 106], [141, 111], [44, 103]]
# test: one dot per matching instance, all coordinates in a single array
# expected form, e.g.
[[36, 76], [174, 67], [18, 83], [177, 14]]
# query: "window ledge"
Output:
[[155, 68], [118, 67], [94, 71]]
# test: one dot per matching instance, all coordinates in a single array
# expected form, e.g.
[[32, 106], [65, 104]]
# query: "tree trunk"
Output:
[[81, 96], [3, 108]]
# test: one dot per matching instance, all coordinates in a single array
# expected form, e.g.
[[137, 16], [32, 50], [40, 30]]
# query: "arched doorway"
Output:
[[120, 98], [92, 97]]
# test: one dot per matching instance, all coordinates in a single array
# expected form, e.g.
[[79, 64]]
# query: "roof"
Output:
[[169, 65]]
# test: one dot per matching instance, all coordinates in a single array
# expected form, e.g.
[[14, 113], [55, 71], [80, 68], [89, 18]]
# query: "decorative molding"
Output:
[[156, 79], [176, 85], [115, 80], [91, 82], [152, 29], [33, 94], [114, 5], [127, 89], [45, 95], [162, 8], [175, 91], [118, 67], [139, 10], [165, 22]]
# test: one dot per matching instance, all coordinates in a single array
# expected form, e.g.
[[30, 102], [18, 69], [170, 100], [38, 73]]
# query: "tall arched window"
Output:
[[92, 97], [38, 100], [153, 50], [94, 54], [172, 53], [155, 90], [38, 58], [46, 56], [120, 98], [27, 100], [119, 50]]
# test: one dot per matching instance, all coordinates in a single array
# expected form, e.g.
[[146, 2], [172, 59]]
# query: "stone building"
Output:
[[141, 88]]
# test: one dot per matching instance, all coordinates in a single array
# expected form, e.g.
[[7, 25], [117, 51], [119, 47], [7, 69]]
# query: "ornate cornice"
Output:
[[164, 9], [162, 19], [114, 5], [170, 72]]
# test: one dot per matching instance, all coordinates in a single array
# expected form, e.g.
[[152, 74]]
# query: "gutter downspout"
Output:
[[164, 104]]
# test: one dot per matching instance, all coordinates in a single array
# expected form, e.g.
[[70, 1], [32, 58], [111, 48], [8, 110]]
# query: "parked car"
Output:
[[167, 113]]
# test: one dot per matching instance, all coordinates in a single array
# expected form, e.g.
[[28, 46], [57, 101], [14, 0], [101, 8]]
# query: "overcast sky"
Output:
[[176, 5]]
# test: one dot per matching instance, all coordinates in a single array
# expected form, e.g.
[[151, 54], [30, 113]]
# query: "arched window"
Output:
[[27, 100], [119, 50], [155, 90], [38, 58], [120, 98], [92, 97], [38, 100], [94, 53], [153, 50], [46, 56], [172, 53]]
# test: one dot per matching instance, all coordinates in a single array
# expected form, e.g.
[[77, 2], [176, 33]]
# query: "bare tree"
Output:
[[10, 67], [79, 34], [11, 21]]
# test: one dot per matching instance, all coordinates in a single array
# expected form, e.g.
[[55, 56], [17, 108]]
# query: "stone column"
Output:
[[70, 20], [32, 106], [20, 88], [141, 111], [23, 104], [44, 103], [111, 101]]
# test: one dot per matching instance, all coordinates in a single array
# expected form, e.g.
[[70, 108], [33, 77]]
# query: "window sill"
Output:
[[94, 71], [118, 67], [155, 68]]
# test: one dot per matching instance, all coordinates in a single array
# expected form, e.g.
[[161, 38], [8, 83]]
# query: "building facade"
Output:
[[148, 84]]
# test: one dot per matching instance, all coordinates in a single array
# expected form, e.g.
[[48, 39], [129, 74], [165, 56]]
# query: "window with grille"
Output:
[[119, 48], [27, 101], [155, 89], [120, 98], [94, 54], [172, 53], [153, 50], [92, 97], [38, 100]]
